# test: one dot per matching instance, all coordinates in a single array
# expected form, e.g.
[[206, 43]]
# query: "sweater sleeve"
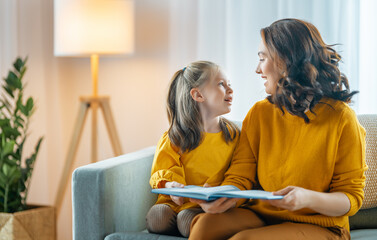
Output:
[[350, 163], [242, 170], [166, 165]]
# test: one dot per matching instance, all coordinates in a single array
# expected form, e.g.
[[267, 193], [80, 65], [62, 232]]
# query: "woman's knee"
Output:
[[223, 225], [203, 227]]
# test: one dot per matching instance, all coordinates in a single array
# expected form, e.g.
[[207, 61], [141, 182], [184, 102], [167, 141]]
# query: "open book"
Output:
[[212, 193]]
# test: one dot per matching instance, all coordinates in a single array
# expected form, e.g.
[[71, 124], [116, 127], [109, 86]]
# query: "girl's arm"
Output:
[[167, 170], [167, 166]]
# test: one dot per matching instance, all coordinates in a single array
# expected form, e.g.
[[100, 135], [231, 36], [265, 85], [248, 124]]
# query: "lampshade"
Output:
[[86, 27]]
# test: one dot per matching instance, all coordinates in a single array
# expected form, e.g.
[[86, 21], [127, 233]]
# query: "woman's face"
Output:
[[268, 69]]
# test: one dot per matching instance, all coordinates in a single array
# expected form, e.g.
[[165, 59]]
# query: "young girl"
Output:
[[198, 146]]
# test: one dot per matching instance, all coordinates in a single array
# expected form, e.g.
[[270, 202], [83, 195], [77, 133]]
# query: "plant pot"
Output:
[[37, 223]]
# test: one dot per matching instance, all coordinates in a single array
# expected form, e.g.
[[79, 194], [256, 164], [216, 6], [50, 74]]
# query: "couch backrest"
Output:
[[369, 122], [366, 217]]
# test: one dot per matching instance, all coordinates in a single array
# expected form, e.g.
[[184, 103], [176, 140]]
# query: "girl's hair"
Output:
[[309, 67], [186, 125]]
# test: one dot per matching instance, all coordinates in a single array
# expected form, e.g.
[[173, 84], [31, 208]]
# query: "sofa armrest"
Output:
[[112, 195]]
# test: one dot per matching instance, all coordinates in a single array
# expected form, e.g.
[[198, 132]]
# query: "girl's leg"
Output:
[[184, 219], [162, 219], [293, 231], [208, 226]]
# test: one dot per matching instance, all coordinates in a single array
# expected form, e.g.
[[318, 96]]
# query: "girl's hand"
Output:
[[218, 206], [177, 200], [295, 198]]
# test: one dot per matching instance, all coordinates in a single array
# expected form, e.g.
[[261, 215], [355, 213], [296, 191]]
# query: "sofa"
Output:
[[111, 198]]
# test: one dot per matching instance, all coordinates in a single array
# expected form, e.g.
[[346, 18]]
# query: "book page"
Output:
[[192, 191], [212, 193], [251, 194]]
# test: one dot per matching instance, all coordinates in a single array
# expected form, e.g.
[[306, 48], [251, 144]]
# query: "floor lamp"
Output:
[[92, 28]]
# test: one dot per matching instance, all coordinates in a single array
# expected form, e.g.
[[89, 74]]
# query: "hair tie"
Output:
[[183, 69]]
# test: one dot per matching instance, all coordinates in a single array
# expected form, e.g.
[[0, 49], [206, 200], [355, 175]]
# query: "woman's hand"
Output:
[[177, 200], [295, 198], [327, 203], [218, 206]]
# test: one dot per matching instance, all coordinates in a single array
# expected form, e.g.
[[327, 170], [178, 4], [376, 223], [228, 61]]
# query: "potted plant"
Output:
[[17, 219]]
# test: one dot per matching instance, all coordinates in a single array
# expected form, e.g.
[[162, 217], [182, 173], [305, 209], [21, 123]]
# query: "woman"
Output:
[[303, 142]]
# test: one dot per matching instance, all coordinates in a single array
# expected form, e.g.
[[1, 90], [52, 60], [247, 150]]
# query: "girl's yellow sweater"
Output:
[[276, 151], [205, 164]]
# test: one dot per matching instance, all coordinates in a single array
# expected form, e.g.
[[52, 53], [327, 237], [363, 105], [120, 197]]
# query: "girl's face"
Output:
[[218, 95], [268, 69]]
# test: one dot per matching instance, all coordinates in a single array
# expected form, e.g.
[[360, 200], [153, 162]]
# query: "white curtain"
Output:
[[367, 61], [8, 35], [227, 32]]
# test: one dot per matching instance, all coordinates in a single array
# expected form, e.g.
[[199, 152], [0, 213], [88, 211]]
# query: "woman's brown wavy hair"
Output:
[[309, 67], [186, 124]]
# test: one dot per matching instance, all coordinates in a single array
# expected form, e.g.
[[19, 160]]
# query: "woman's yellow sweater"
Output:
[[276, 151], [205, 164]]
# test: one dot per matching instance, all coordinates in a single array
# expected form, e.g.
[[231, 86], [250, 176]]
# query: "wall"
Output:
[[136, 84]]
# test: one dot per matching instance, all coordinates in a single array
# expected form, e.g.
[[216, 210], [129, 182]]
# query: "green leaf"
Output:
[[18, 64], [9, 91], [7, 105], [3, 179], [21, 186], [6, 170], [10, 132], [20, 119], [14, 203], [13, 81], [22, 108], [8, 148], [11, 162], [18, 123], [15, 174], [29, 104], [30, 161], [4, 122]]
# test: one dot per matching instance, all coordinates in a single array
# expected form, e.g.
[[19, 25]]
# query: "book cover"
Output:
[[212, 193]]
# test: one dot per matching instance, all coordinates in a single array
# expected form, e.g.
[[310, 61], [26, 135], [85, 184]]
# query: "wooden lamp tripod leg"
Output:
[[83, 110], [110, 125], [94, 153]]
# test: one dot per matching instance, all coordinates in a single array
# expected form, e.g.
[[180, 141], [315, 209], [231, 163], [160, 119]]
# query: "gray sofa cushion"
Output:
[[364, 234], [140, 236]]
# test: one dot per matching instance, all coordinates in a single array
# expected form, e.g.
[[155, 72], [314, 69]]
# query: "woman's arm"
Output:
[[241, 172], [295, 198]]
